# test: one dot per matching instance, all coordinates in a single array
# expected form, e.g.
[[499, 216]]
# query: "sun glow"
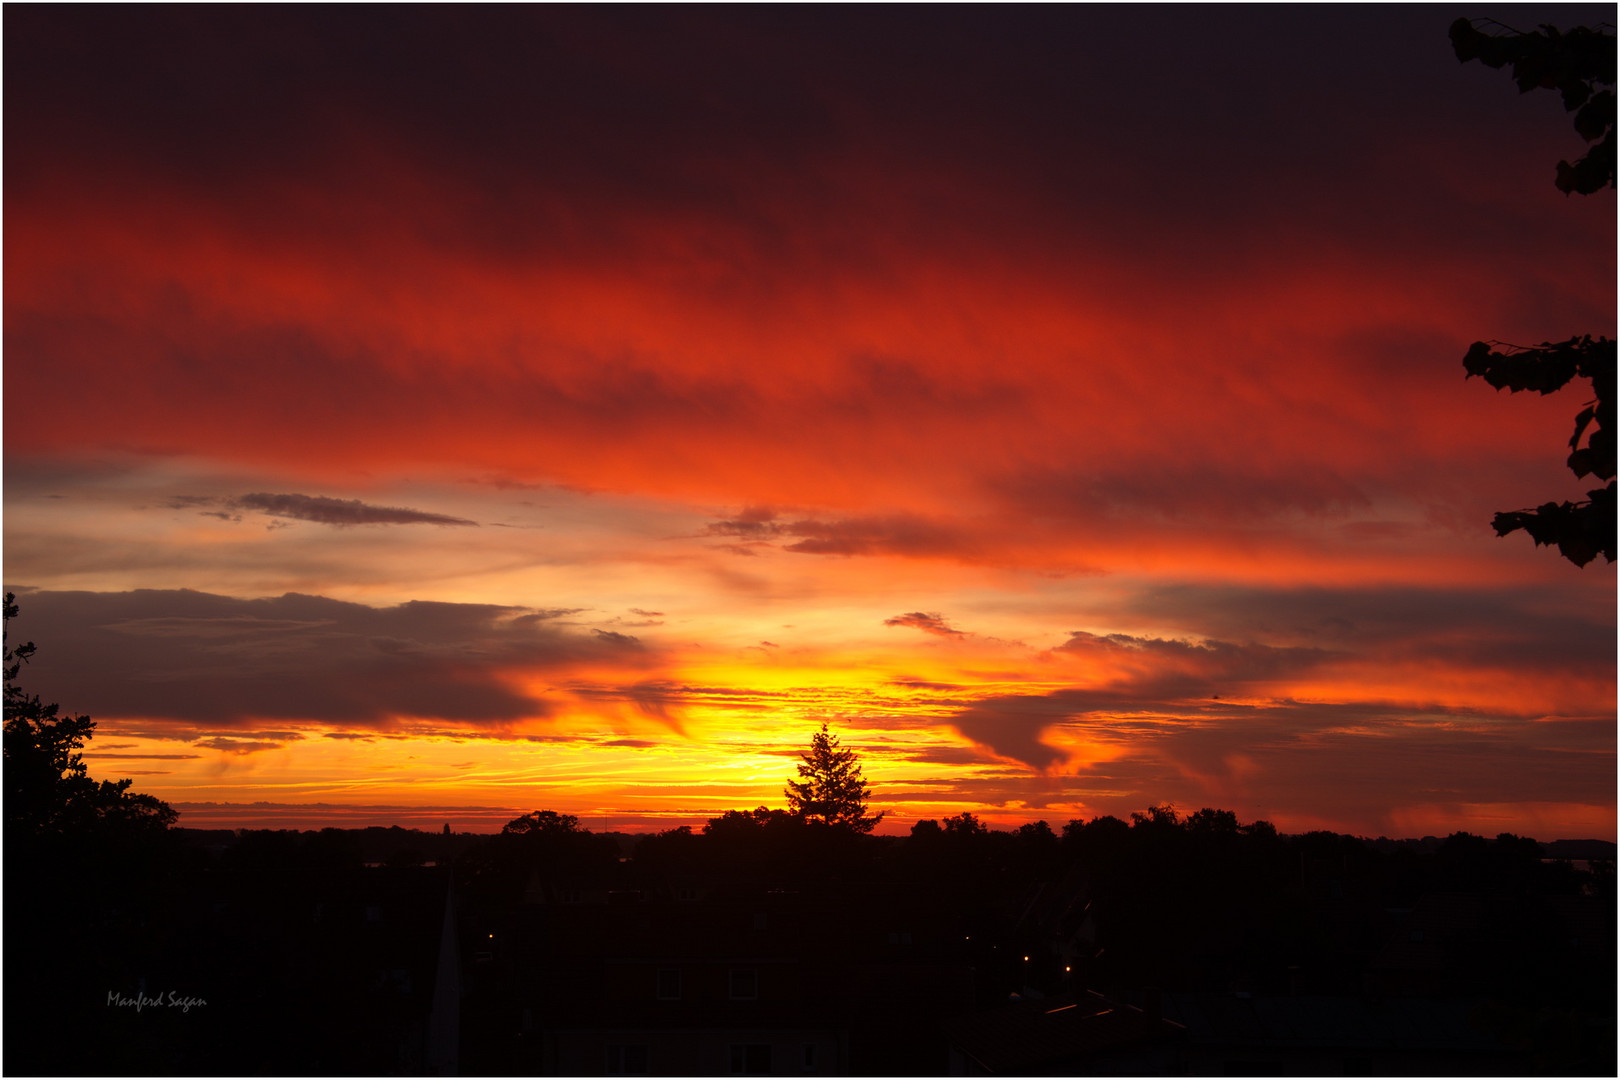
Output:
[[394, 466]]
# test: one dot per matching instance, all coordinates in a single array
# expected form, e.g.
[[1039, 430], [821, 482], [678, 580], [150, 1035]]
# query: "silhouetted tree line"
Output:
[[1168, 892], [1197, 901]]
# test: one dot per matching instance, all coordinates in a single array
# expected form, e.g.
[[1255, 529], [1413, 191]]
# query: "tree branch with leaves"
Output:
[[1580, 65], [1580, 530], [49, 792]]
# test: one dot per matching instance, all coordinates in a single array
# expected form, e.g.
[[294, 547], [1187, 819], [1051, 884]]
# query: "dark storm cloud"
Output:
[[601, 106], [628, 103], [1353, 761], [655, 80], [1011, 726], [1160, 677], [321, 509], [928, 622], [1561, 627], [218, 662]]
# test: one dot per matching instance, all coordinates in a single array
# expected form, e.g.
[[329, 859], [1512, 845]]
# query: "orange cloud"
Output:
[[750, 343]]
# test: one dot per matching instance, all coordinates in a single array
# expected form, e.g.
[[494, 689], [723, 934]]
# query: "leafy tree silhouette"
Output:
[[1209, 822], [49, 792], [1576, 64], [832, 790], [541, 823], [1579, 65], [735, 823]]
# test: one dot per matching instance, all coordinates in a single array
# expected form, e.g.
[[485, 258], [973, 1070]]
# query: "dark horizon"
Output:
[[766, 945], [890, 833]]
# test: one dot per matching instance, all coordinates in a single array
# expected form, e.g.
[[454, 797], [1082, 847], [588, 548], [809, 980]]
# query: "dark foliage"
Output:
[[49, 792], [1583, 530], [1580, 65], [89, 864], [542, 823]]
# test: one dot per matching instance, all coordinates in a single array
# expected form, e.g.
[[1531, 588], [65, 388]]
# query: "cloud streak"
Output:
[[927, 622], [321, 509]]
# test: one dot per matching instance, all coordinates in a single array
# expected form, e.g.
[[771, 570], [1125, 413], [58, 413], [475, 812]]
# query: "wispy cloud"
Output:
[[886, 534], [238, 746], [928, 622], [321, 509]]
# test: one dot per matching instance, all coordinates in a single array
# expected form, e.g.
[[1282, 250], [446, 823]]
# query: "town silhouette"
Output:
[[766, 945]]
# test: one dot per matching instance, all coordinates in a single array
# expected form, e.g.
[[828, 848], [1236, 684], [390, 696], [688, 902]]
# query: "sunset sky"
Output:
[[431, 414]]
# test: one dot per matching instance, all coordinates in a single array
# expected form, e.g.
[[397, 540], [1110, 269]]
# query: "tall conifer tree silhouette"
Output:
[[832, 789]]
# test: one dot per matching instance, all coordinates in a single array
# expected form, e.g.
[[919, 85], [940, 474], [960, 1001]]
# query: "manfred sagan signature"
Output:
[[162, 1001]]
